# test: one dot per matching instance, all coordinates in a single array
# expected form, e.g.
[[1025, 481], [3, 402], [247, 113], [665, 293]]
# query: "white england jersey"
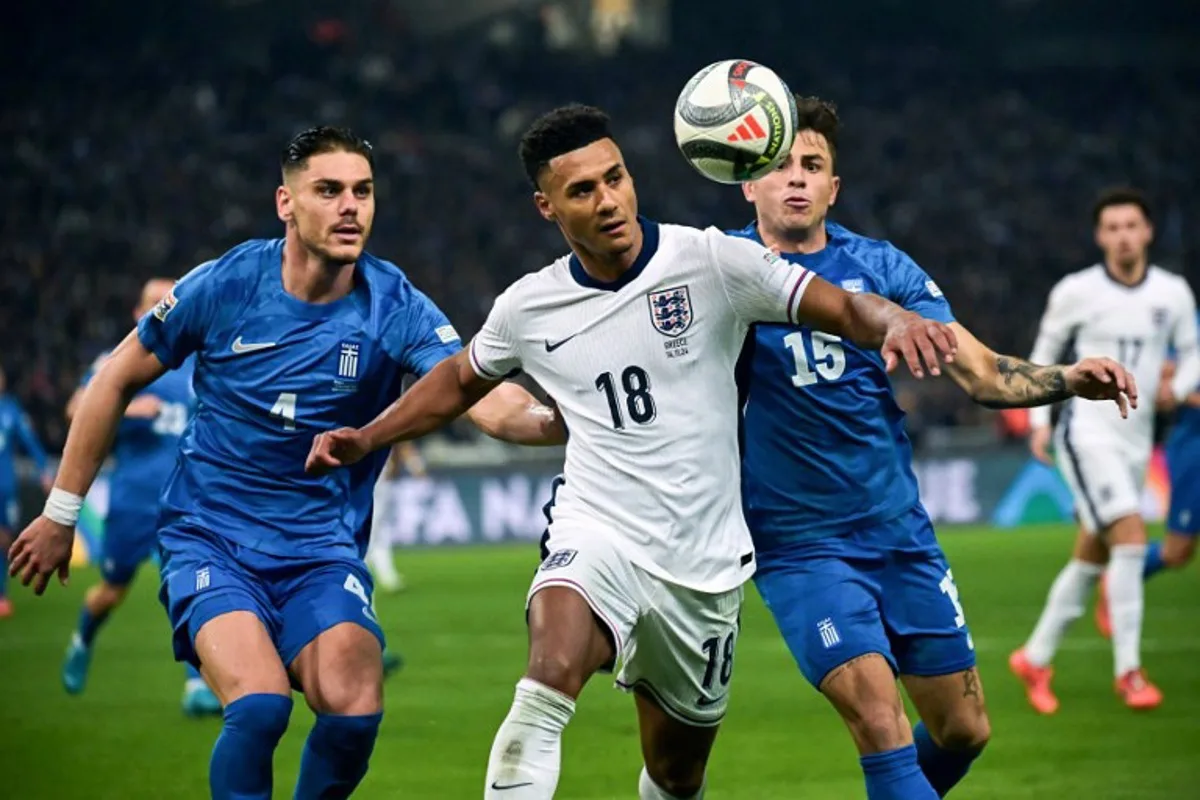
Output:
[[642, 370], [1095, 315]]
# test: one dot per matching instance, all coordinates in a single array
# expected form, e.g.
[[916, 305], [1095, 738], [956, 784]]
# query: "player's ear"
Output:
[[748, 191], [283, 203], [836, 183], [542, 202]]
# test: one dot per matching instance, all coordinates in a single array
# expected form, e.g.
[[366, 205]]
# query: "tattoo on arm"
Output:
[[1024, 385], [971, 684]]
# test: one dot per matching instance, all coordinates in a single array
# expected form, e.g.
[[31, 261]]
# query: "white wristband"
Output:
[[63, 507]]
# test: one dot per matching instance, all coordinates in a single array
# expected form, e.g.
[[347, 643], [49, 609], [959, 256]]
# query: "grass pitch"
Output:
[[461, 628]]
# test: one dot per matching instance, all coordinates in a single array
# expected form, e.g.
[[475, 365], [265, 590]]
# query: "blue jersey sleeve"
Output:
[[175, 328], [423, 337], [29, 439], [911, 287]]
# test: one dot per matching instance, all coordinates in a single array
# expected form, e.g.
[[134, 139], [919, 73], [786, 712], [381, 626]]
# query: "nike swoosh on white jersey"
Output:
[[240, 347]]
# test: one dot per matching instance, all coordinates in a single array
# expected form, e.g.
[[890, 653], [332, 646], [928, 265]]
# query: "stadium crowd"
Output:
[[131, 159]]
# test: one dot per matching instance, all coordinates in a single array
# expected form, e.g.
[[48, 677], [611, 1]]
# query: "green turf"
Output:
[[460, 627]]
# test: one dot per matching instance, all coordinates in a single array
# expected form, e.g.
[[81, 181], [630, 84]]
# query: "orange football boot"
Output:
[[1137, 691], [1036, 680]]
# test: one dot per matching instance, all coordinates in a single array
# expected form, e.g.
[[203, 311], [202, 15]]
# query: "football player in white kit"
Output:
[[1132, 311], [635, 335]]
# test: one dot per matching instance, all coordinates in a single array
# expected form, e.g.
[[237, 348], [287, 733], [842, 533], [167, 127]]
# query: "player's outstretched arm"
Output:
[[512, 414], [440, 397], [999, 381], [45, 546], [873, 322]]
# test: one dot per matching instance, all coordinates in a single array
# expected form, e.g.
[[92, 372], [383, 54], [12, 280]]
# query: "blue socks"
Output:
[[1154, 560], [192, 672], [895, 775], [241, 763], [89, 625], [943, 768], [336, 755]]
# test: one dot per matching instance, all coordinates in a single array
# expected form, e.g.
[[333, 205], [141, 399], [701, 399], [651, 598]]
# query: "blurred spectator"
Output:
[[140, 154]]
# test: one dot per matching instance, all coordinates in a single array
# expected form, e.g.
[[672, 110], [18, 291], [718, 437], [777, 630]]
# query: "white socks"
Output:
[[527, 752], [1066, 603], [649, 790], [1125, 605]]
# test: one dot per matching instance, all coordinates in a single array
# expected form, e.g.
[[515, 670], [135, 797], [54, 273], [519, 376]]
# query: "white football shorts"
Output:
[[674, 644]]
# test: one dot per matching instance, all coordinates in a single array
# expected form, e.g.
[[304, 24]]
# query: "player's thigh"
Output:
[[952, 707], [1105, 481], [330, 637], [681, 654], [582, 607], [222, 617], [238, 657], [130, 539], [826, 606], [675, 753], [864, 693]]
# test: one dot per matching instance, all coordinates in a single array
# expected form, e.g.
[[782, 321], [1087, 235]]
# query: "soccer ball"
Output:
[[734, 121]]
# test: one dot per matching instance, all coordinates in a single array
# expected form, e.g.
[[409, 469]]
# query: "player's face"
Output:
[[1124, 233], [796, 196], [330, 203], [590, 194], [152, 293]]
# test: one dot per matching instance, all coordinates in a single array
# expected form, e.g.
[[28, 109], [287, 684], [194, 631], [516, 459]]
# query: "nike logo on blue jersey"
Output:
[[496, 785], [249, 347], [550, 348]]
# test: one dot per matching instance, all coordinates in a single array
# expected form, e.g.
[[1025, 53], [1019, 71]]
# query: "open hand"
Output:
[[41, 550], [333, 449], [1103, 379], [915, 339]]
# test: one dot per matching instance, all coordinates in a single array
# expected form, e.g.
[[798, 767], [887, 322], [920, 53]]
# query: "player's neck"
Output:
[[1130, 275], [610, 268], [801, 240], [309, 278]]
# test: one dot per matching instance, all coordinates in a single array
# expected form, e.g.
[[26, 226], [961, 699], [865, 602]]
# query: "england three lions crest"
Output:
[[671, 311]]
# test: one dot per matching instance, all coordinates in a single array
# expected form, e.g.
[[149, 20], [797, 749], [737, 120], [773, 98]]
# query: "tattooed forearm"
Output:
[[1024, 385]]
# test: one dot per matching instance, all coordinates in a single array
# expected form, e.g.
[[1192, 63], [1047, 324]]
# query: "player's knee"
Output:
[[965, 732], [105, 596], [1178, 552], [348, 692], [557, 670], [880, 727], [677, 777]]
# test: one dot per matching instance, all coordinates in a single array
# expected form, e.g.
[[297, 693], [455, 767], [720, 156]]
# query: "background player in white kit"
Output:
[[1132, 311], [635, 335]]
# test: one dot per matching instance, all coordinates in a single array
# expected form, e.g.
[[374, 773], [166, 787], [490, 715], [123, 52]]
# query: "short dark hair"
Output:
[[322, 139], [560, 131], [815, 114], [1120, 196]]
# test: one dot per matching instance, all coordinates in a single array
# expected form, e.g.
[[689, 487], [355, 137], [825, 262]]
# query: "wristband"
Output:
[[63, 507]]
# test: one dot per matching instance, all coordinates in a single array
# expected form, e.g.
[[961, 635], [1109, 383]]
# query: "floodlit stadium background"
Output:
[[141, 138]]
